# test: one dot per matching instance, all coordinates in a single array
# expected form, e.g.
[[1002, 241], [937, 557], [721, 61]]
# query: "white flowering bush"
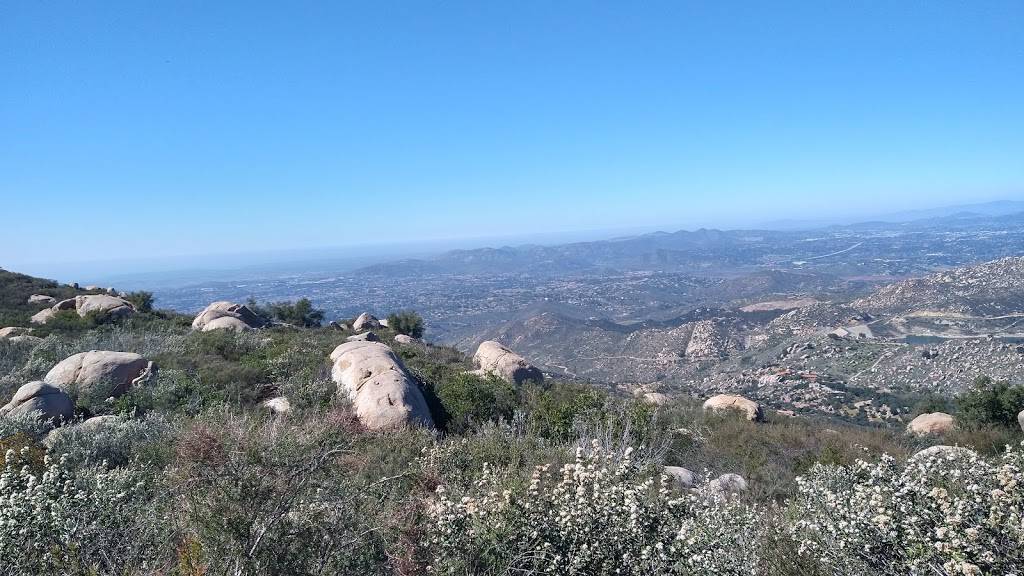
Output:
[[951, 513], [89, 521], [596, 515]]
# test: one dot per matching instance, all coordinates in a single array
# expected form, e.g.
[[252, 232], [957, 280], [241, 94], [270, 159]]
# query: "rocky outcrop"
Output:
[[364, 337], [682, 479], [100, 304], [366, 321], [14, 331], [707, 342], [725, 402], [53, 403], [228, 316], [494, 359], [931, 423], [383, 393], [100, 372], [42, 299]]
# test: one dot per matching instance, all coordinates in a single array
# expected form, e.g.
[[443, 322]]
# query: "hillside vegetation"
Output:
[[239, 454]]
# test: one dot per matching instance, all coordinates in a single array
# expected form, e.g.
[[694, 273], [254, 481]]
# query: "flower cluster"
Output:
[[62, 522], [596, 515], [950, 512]]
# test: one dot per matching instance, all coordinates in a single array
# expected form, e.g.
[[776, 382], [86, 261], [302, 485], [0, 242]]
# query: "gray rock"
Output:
[[682, 479], [364, 337], [42, 299], [101, 372], [278, 405], [365, 321], [54, 404], [931, 423], [227, 316], [405, 339], [728, 484], [383, 393], [14, 331], [494, 359], [725, 402]]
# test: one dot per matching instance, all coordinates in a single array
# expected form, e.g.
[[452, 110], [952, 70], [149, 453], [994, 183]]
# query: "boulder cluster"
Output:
[[226, 315], [103, 305], [97, 373]]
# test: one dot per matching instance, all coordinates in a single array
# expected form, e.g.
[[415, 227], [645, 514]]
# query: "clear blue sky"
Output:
[[136, 129]]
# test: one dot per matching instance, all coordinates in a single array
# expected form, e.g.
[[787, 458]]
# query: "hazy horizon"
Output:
[[156, 133]]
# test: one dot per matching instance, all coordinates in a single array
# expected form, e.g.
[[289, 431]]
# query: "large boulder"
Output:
[[724, 402], [14, 331], [42, 299], [100, 372], [43, 316], [54, 404], [366, 321], [226, 315], [931, 423], [682, 479], [656, 398], [100, 304], [382, 391], [405, 339], [494, 359]]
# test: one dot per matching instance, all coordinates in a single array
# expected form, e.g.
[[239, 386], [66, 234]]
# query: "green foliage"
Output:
[[990, 402], [553, 411], [406, 322], [15, 290], [142, 300], [298, 313], [467, 399]]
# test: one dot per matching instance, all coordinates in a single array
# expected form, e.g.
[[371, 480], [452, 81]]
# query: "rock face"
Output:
[[707, 342], [382, 392], [493, 358], [101, 304], [365, 321], [14, 331], [752, 409], [682, 478], [226, 315], [42, 299], [100, 372], [55, 405], [931, 423]]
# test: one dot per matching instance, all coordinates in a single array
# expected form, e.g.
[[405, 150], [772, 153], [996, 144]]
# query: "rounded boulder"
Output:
[[726, 402], [52, 402], [227, 316], [492, 358], [382, 392], [931, 423], [100, 372]]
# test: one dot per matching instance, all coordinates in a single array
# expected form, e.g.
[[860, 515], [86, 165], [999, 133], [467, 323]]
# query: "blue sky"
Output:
[[151, 129]]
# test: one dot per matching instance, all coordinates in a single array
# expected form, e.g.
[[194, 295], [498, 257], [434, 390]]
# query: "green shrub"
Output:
[[406, 322], [142, 300], [467, 399], [298, 313], [991, 402]]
